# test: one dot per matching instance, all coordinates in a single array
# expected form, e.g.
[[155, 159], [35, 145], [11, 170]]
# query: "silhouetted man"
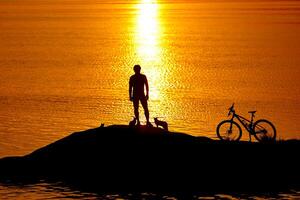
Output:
[[137, 83]]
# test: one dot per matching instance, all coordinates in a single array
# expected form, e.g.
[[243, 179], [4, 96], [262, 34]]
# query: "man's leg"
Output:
[[136, 109], [145, 106]]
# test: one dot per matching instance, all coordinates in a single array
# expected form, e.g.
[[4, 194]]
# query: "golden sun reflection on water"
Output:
[[147, 41], [198, 57], [147, 37]]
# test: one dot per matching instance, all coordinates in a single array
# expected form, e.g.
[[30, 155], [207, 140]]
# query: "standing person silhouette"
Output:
[[137, 83]]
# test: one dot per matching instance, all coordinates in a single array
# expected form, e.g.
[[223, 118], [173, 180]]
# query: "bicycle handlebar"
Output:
[[231, 109]]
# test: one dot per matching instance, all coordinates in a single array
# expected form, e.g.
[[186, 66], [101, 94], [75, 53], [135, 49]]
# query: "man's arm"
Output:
[[130, 89], [147, 88]]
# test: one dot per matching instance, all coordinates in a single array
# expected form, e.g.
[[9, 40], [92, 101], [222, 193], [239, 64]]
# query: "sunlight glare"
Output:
[[148, 44], [148, 30]]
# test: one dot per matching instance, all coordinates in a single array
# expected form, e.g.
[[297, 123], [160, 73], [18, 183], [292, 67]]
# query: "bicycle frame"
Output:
[[262, 129], [248, 124]]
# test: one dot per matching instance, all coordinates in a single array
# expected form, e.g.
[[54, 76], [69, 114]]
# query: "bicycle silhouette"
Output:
[[263, 130]]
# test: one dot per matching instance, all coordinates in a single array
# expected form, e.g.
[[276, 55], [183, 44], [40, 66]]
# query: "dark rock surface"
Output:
[[122, 158]]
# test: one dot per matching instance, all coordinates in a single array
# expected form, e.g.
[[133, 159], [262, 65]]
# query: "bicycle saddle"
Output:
[[252, 112]]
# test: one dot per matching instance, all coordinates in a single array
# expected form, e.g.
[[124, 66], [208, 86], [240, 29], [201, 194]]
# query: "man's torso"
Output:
[[138, 81]]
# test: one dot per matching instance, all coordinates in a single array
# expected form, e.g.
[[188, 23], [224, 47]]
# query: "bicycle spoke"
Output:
[[229, 131], [264, 131]]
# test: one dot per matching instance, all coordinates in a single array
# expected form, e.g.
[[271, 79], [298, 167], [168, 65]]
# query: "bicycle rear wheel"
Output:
[[264, 131], [229, 130]]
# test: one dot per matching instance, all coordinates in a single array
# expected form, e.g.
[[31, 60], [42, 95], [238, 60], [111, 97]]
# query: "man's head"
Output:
[[137, 69]]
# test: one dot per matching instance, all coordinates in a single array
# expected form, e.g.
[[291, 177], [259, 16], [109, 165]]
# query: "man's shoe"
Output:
[[138, 124], [149, 124]]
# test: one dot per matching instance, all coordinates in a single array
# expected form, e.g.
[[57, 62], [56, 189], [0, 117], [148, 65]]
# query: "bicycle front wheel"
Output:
[[264, 131], [229, 130]]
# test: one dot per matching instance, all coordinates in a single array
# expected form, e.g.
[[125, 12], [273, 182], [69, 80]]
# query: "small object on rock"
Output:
[[133, 122], [161, 123], [102, 125]]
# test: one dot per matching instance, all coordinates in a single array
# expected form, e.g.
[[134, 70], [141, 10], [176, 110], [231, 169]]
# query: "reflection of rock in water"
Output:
[[143, 158]]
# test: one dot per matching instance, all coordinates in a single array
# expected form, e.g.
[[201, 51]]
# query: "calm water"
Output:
[[65, 65], [44, 190]]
